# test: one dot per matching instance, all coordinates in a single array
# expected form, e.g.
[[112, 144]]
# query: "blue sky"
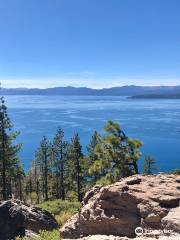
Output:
[[94, 43]]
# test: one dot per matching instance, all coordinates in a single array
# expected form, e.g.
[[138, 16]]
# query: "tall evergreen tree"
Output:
[[92, 157], [76, 166], [36, 179], [59, 160], [29, 185], [42, 159], [18, 178], [8, 151]]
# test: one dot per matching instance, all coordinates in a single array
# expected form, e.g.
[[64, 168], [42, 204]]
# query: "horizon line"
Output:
[[71, 86]]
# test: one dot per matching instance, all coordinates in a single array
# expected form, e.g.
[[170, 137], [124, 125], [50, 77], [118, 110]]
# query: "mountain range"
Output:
[[129, 90]]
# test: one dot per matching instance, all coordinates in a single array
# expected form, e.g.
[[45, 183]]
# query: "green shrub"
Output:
[[62, 217], [62, 210], [44, 235], [58, 206]]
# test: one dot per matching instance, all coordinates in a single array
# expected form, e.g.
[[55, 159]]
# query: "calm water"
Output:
[[155, 122]]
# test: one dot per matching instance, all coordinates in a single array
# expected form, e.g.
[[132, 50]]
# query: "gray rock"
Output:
[[17, 219]]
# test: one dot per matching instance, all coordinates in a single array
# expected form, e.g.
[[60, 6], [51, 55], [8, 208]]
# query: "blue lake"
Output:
[[155, 122]]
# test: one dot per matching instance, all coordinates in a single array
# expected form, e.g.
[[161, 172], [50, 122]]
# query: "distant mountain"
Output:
[[83, 91]]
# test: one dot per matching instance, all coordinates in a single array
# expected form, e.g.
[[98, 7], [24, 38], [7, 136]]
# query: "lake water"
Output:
[[155, 122]]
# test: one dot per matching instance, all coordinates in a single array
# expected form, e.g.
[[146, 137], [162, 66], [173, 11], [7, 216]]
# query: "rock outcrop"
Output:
[[172, 220], [17, 219], [111, 237], [147, 201]]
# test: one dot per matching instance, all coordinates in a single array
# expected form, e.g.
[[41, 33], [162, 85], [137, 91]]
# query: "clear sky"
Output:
[[94, 43]]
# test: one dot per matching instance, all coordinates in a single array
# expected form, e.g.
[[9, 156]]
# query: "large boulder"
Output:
[[17, 219], [172, 220], [137, 201]]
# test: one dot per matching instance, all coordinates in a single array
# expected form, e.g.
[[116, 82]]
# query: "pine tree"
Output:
[[29, 186], [133, 154], [35, 172], [8, 151], [59, 159], [42, 159], [91, 147], [117, 155], [76, 166], [92, 157], [18, 178], [149, 165]]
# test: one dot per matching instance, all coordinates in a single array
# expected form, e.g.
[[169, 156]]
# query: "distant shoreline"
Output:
[[154, 96], [140, 92]]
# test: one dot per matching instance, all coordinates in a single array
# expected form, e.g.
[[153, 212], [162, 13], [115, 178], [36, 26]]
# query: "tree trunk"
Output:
[[57, 194], [46, 176], [4, 187], [135, 167], [30, 189], [4, 181], [78, 182], [62, 181], [20, 189], [37, 190]]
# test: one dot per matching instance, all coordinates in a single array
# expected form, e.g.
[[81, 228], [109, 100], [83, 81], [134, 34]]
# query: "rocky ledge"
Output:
[[104, 237], [150, 202], [20, 219]]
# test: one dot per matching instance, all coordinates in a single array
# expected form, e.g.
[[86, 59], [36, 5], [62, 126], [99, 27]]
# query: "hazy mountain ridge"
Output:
[[84, 91]]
